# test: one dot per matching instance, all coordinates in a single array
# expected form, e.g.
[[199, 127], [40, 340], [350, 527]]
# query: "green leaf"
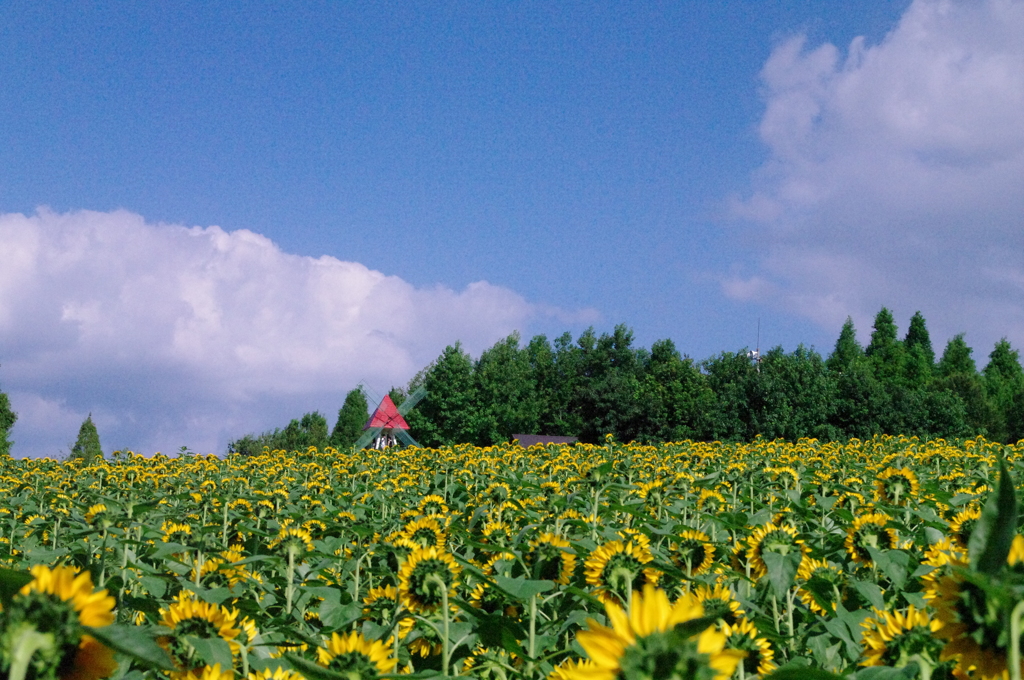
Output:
[[11, 582], [870, 592], [335, 615], [521, 588], [212, 650], [500, 631], [908, 672], [990, 541], [688, 629], [781, 570], [133, 642], [802, 673], [313, 671]]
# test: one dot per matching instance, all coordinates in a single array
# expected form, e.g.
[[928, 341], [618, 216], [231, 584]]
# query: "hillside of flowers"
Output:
[[681, 560]]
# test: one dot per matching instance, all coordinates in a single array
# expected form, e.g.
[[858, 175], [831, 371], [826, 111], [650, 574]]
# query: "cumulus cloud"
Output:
[[176, 336], [896, 175]]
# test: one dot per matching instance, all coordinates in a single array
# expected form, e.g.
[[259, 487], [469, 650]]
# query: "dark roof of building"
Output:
[[528, 440]]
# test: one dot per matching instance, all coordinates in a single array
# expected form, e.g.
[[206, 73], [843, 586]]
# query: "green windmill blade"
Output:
[[406, 438], [411, 401], [368, 436]]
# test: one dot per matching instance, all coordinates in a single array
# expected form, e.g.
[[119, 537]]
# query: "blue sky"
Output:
[[684, 168]]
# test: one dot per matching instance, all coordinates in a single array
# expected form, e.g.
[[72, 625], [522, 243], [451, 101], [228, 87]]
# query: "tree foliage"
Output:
[[598, 384], [87, 447], [352, 416], [7, 419]]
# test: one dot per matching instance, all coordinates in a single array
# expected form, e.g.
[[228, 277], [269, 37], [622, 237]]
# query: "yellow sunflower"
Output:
[[432, 505], [869, 531], [381, 604], [963, 523], [59, 602], [743, 636], [820, 585], [718, 601], [188, 617], [896, 487], [425, 575], [356, 656], [645, 640], [894, 638], [96, 514], [943, 556], [498, 534], [424, 533], [973, 622], [213, 672], [277, 673], [616, 569], [771, 538], [292, 539], [551, 558], [693, 553]]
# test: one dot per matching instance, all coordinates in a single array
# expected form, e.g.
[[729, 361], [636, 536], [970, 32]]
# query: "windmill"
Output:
[[755, 355], [386, 426]]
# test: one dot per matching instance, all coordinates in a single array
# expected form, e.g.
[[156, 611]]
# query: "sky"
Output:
[[216, 217]]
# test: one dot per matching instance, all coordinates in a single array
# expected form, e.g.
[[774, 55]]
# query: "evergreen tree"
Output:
[[606, 393], [729, 376], [861, 403], [87, 446], [310, 430], [352, 416], [959, 375], [847, 350], [674, 397], [1004, 385], [7, 418], [448, 414], [885, 352], [920, 366], [506, 391], [956, 358]]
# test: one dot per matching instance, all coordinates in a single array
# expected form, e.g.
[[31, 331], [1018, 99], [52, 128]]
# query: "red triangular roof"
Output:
[[387, 416]]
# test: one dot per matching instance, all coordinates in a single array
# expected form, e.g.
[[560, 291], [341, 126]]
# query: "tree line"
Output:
[[600, 384]]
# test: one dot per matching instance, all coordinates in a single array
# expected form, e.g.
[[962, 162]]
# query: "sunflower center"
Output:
[[549, 562], [691, 552], [778, 542], [424, 537], [622, 574], [181, 650], [49, 614], [427, 590], [917, 640], [354, 666], [662, 656], [745, 643]]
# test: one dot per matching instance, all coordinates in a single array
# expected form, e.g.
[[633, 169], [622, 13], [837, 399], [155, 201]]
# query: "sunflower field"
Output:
[[889, 558]]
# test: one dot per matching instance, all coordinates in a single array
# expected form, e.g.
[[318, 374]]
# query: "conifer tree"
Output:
[[1004, 386], [7, 418], [847, 349], [351, 418], [886, 352], [87, 446], [956, 358], [920, 359]]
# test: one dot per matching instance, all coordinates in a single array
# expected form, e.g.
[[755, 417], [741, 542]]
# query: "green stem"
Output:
[[532, 649], [1015, 618], [27, 641], [289, 588]]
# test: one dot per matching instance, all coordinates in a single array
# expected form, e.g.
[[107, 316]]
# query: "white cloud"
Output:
[[896, 175], [172, 335]]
